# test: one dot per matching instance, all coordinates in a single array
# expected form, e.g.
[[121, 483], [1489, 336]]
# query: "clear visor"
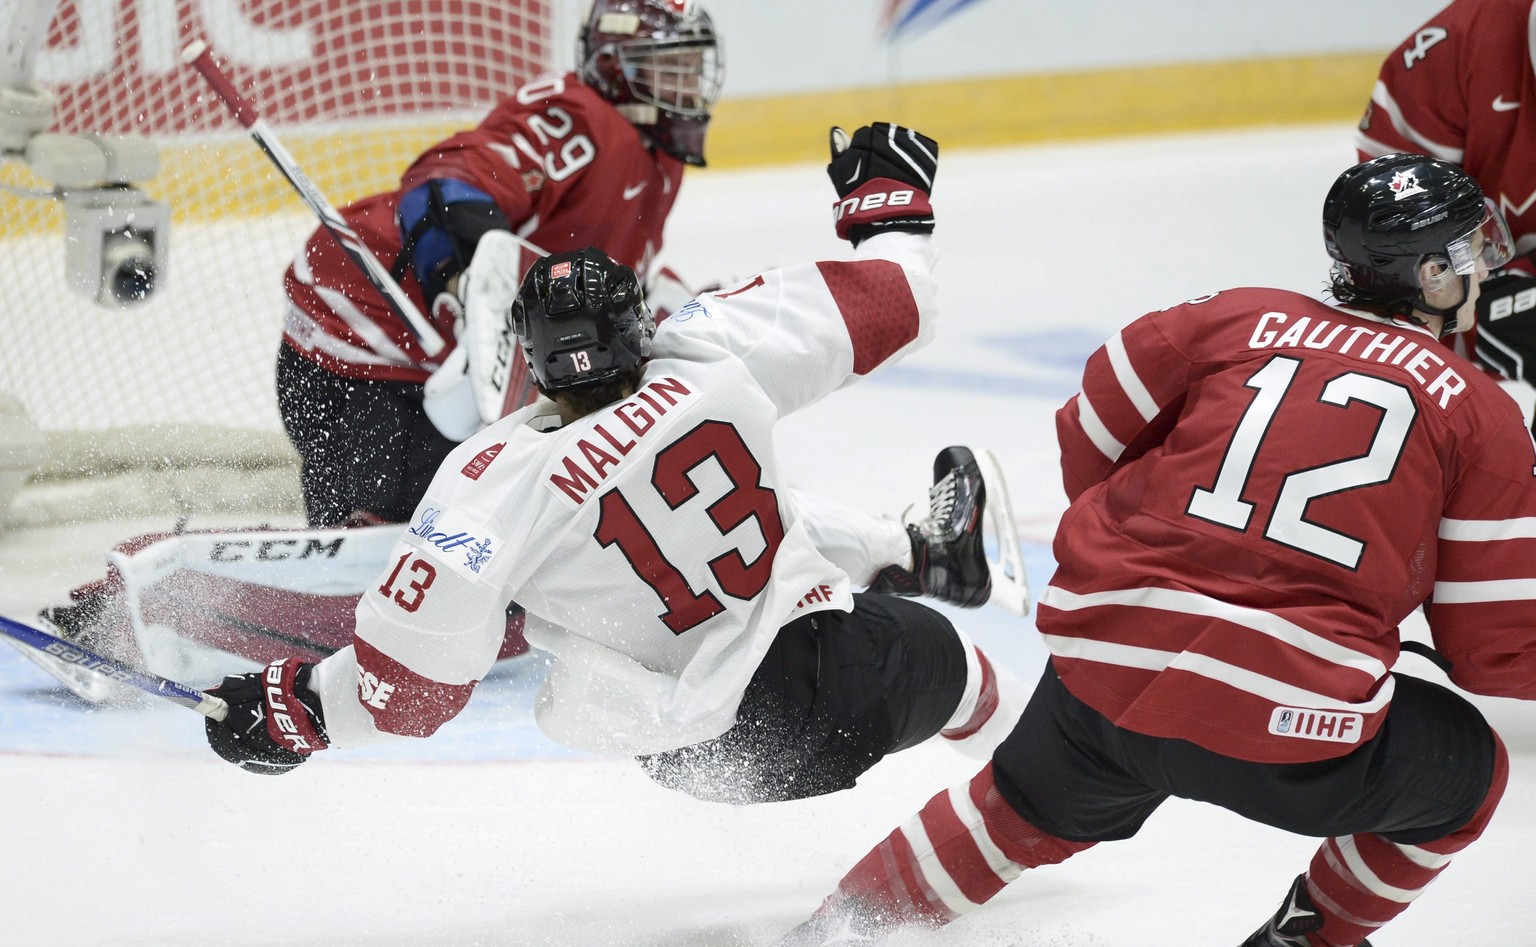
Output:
[[680, 79], [1488, 244]]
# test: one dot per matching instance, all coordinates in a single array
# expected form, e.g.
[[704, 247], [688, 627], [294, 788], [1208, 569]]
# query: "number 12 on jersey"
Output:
[[1223, 502]]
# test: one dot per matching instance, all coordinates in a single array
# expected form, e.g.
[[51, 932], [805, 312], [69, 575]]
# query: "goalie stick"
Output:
[[200, 57], [47, 649]]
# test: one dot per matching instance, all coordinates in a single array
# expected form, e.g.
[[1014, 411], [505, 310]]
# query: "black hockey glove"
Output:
[[1506, 326], [274, 720], [883, 176]]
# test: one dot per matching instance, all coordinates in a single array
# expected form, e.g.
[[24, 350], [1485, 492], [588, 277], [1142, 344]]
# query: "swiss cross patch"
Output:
[[482, 460]]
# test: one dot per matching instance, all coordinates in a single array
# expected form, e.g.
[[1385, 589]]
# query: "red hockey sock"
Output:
[[984, 706], [1360, 882], [952, 857]]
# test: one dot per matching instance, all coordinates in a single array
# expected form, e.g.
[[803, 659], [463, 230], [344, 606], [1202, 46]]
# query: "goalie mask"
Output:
[[1396, 221], [659, 62], [582, 319]]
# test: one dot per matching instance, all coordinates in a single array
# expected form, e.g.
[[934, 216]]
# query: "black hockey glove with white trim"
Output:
[[274, 720], [1506, 326], [883, 175]]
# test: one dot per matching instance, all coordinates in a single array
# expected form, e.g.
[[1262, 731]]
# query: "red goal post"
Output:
[[169, 404]]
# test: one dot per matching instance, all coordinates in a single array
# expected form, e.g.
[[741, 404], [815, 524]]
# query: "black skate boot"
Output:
[[1297, 918], [949, 562]]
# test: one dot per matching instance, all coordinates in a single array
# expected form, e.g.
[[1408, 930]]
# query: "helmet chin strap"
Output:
[[1448, 314]]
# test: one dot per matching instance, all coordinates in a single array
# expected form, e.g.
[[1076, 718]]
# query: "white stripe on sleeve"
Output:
[[1125, 373], [1488, 531], [1381, 96], [1096, 431], [1493, 590]]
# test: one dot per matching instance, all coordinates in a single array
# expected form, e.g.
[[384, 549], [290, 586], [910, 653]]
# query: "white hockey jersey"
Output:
[[654, 543]]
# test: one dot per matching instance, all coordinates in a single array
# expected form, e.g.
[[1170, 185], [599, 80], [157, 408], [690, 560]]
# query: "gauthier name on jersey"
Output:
[[1276, 330]]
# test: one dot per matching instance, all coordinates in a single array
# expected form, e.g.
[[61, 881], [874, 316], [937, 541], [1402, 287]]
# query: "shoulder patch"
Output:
[[482, 460], [463, 546]]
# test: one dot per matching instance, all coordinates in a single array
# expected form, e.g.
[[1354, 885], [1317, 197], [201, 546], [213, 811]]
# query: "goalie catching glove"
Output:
[[274, 721], [883, 175]]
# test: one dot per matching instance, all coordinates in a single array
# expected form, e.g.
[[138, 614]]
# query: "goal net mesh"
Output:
[[170, 403]]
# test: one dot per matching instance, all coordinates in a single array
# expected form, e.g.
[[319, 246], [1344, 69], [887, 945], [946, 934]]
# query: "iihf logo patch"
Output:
[[1331, 725], [1405, 184]]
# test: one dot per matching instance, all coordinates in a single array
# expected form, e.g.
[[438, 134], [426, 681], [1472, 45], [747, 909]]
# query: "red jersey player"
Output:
[[1224, 619], [1462, 88]]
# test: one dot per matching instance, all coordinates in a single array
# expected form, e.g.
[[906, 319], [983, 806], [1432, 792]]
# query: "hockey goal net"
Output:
[[169, 404]]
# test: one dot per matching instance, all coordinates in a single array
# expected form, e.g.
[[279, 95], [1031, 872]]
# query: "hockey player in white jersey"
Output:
[[642, 520]]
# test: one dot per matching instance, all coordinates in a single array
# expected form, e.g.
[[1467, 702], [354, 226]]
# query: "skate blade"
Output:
[[1010, 586]]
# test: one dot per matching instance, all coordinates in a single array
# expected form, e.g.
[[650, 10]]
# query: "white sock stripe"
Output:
[[970, 816], [967, 705], [1329, 906], [1434, 861], [1354, 863], [932, 870]]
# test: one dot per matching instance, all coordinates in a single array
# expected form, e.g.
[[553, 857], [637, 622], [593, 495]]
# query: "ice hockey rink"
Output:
[[119, 826]]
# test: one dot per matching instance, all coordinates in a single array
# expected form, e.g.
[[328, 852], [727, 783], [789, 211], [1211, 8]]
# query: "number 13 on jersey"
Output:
[[619, 525]]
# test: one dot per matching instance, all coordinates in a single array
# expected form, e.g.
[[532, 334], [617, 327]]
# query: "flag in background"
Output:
[[902, 18]]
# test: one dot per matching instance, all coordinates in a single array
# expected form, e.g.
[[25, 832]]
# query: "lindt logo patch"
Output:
[[482, 460]]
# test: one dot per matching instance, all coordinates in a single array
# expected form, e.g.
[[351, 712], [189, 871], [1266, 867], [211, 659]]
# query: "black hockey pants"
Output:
[[365, 446], [1072, 773], [835, 693]]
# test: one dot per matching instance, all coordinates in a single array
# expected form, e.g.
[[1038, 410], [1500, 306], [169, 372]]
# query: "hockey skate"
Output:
[[848, 924], [1297, 918], [949, 559]]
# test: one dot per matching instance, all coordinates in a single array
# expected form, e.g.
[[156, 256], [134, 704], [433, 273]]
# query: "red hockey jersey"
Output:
[[1263, 487], [1462, 88], [563, 165]]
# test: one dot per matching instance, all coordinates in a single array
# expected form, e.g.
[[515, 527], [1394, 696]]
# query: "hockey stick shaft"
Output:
[[200, 57], [60, 650]]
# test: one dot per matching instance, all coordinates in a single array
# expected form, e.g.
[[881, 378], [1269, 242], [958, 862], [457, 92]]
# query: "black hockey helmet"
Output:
[[1385, 218], [660, 63], [582, 319]]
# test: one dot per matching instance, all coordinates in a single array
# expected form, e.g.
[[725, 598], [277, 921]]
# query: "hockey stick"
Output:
[[49, 648], [200, 57]]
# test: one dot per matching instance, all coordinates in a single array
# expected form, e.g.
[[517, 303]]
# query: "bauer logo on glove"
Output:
[[883, 174]]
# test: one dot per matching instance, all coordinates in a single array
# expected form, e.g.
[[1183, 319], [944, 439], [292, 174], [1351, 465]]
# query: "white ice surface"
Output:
[[118, 827]]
